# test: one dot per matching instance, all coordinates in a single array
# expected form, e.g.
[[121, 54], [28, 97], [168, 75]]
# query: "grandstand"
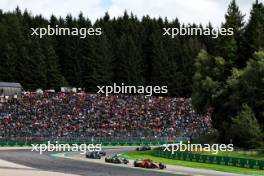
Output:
[[82, 116]]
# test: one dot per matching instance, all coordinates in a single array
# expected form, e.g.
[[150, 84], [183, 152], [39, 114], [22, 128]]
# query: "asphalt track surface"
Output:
[[47, 162]]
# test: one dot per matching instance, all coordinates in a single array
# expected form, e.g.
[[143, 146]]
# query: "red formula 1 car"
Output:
[[149, 164]]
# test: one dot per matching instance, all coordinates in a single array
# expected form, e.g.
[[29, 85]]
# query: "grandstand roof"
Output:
[[10, 84]]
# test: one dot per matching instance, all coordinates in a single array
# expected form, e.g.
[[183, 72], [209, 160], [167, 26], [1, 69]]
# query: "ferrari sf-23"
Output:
[[146, 163]]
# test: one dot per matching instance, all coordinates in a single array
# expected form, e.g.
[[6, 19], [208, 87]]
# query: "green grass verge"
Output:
[[231, 169], [237, 154]]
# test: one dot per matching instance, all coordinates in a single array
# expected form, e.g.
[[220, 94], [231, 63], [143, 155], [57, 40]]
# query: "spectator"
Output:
[[82, 115]]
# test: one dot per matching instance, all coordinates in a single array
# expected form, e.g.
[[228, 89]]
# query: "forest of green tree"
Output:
[[224, 75]]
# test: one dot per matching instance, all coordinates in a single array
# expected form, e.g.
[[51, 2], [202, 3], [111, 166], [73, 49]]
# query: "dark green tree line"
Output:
[[231, 86]]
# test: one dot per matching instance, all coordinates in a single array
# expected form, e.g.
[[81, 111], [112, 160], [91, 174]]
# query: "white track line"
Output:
[[12, 169]]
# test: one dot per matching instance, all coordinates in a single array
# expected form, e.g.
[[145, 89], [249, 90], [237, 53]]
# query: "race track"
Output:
[[48, 162]]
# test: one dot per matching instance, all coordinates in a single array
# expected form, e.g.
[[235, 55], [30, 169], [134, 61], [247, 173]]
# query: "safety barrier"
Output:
[[210, 159], [104, 143]]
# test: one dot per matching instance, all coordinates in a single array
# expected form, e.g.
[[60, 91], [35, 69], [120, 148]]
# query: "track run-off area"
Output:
[[22, 161]]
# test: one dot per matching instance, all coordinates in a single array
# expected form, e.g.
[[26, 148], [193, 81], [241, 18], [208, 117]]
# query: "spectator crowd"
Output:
[[84, 115]]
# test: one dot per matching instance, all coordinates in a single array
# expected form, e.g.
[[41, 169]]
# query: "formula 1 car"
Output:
[[93, 155], [148, 164], [144, 148], [116, 159]]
